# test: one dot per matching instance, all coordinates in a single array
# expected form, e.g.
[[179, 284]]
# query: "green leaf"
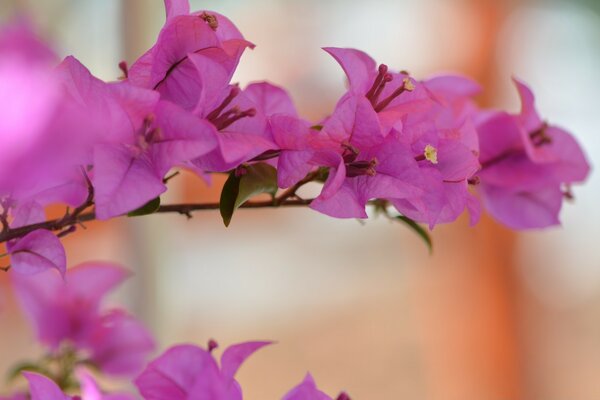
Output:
[[229, 195], [419, 230], [149, 208], [257, 179]]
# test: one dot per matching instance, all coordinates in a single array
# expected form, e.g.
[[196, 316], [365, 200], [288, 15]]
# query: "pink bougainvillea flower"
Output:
[[306, 390], [528, 165], [190, 372], [444, 141], [364, 163], [126, 176], [70, 311], [392, 95], [291, 135], [67, 310], [243, 121], [186, 40]]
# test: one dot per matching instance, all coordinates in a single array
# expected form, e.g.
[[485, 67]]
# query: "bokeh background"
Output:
[[492, 314]]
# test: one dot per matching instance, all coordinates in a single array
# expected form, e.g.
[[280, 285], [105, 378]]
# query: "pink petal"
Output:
[[354, 121], [182, 36], [172, 375], [523, 210], [306, 390], [226, 30], [123, 181], [174, 8], [234, 356], [27, 213], [120, 344], [43, 388], [93, 280], [358, 66], [38, 251], [183, 137], [344, 203], [271, 99], [456, 162], [453, 86], [67, 309], [529, 118], [292, 166]]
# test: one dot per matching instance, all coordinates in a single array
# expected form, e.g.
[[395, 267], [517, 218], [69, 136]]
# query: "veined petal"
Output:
[[358, 66]]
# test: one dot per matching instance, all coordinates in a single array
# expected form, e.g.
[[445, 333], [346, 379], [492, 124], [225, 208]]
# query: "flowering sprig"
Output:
[[423, 148]]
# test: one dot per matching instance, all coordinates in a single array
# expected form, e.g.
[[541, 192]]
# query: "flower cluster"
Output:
[[81, 335], [421, 147]]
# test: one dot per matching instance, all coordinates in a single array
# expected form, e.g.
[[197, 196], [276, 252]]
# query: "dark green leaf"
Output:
[[422, 232], [148, 208], [257, 179], [229, 195]]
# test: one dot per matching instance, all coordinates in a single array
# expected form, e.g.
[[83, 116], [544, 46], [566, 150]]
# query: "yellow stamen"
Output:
[[430, 154], [408, 85]]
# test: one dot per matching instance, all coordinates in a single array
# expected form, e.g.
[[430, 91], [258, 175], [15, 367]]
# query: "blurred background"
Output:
[[491, 315]]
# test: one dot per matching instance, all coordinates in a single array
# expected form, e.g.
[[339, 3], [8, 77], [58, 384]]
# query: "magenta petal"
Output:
[[172, 375], [123, 181], [68, 309], [235, 355], [498, 134], [43, 388], [174, 8], [292, 166], [453, 87], [523, 210], [27, 213], [183, 137], [271, 99], [344, 203], [289, 132], [337, 174], [120, 344], [306, 390], [358, 66], [213, 78], [36, 252], [93, 280], [456, 162], [226, 30], [181, 36], [529, 118], [354, 121], [234, 149], [572, 165]]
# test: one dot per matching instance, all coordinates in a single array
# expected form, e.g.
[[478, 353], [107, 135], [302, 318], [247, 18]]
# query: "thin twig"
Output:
[[184, 209]]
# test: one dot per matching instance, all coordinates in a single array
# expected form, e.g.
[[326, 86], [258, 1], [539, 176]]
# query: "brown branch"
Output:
[[64, 224]]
